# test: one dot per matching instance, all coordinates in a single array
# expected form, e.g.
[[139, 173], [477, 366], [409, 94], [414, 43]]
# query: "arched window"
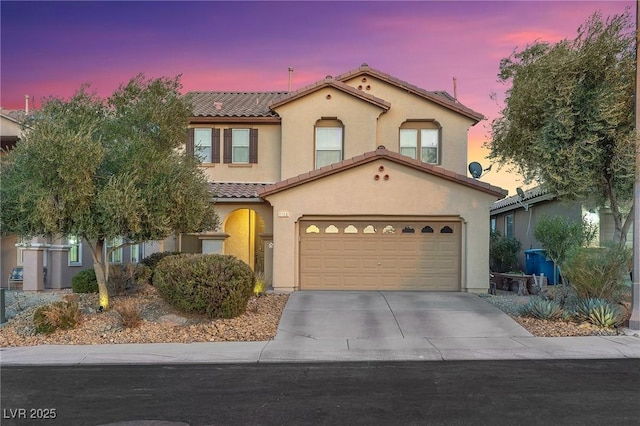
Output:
[[331, 229], [350, 230], [369, 229], [421, 140], [446, 230], [427, 230], [408, 230], [312, 229], [389, 229]]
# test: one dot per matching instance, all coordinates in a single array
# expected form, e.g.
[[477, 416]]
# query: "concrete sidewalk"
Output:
[[339, 350], [357, 326]]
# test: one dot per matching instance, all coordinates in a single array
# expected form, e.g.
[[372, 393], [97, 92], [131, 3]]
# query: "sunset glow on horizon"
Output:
[[52, 48]]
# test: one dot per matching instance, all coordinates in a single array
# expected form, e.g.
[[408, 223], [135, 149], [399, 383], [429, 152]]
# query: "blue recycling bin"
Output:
[[536, 262]]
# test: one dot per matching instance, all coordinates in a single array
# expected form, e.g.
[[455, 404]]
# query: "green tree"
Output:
[[103, 168], [568, 119], [560, 235]]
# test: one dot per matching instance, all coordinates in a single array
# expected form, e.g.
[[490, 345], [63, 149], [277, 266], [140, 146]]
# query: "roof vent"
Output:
[[381, 147], [329, 77], [364, 65]]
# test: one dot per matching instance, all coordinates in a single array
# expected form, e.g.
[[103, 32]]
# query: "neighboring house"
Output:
[[517, 217], [11, 131], [356, 182], [62, 258]]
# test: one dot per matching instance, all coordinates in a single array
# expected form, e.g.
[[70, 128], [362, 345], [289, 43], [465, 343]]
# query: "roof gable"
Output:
[[439, 97], [331, 82], [381, 153]]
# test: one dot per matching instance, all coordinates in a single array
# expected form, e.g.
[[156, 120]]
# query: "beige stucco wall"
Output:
[[266, 170], [299, 117], [10, 127], [407, 106], [408, 192]]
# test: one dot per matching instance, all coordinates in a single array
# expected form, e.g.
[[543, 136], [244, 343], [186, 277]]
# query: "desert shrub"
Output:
[[503, 253], [129, 312], [152, 260], [260, 286], [216, 285], [123, 277], [58, 315], [598, 273], [85, 282], [543, 309]]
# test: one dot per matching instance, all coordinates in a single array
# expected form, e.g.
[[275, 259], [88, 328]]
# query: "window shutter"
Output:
[[253, 146], [189, 145], [227, 154], [215, 145]]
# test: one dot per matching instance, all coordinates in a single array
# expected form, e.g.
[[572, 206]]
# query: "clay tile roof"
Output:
[[236, 189], [234, 104], [331, 82], [529, 194], [440, 97], [381, 153]]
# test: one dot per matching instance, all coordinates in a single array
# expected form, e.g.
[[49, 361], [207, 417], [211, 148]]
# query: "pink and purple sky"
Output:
[[51, 48]]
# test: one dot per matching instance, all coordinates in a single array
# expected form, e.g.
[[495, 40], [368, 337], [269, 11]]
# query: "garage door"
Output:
[[379, 255]]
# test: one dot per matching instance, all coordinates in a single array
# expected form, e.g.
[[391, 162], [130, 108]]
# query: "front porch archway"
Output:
[[244, 227]]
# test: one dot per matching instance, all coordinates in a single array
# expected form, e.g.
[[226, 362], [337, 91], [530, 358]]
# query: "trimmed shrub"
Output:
[[219, 286], [503, 253], [598, 273], [152, 260], [58, 315], [85, 282]]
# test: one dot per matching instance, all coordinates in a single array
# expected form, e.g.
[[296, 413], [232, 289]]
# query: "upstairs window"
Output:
[[329, 142], [204, 144], [421, 140], [240, 146]]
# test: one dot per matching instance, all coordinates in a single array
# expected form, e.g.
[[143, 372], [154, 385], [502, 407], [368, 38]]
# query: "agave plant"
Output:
[[586, 306], [543, 309], [607, 316]]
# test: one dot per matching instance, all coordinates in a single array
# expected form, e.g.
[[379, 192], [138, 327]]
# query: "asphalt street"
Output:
[[523, 392]]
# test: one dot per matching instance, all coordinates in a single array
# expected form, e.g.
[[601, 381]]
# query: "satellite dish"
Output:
[[521, 198], [475, 169]]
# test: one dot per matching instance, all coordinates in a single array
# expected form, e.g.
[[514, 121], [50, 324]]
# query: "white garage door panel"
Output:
[[376, 255]]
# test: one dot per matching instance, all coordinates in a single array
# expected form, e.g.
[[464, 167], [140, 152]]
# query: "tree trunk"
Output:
[[101, 268], [620, 235]]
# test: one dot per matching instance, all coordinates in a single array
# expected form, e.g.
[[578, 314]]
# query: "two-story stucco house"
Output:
[[356, 182]]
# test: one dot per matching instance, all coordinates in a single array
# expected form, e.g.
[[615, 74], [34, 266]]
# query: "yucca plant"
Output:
[[543, 309], [607, 316]]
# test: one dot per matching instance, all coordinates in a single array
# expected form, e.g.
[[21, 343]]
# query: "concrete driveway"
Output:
[[392, 315]]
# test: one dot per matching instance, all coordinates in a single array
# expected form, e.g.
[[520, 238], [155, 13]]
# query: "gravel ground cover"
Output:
[[161, 323]]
